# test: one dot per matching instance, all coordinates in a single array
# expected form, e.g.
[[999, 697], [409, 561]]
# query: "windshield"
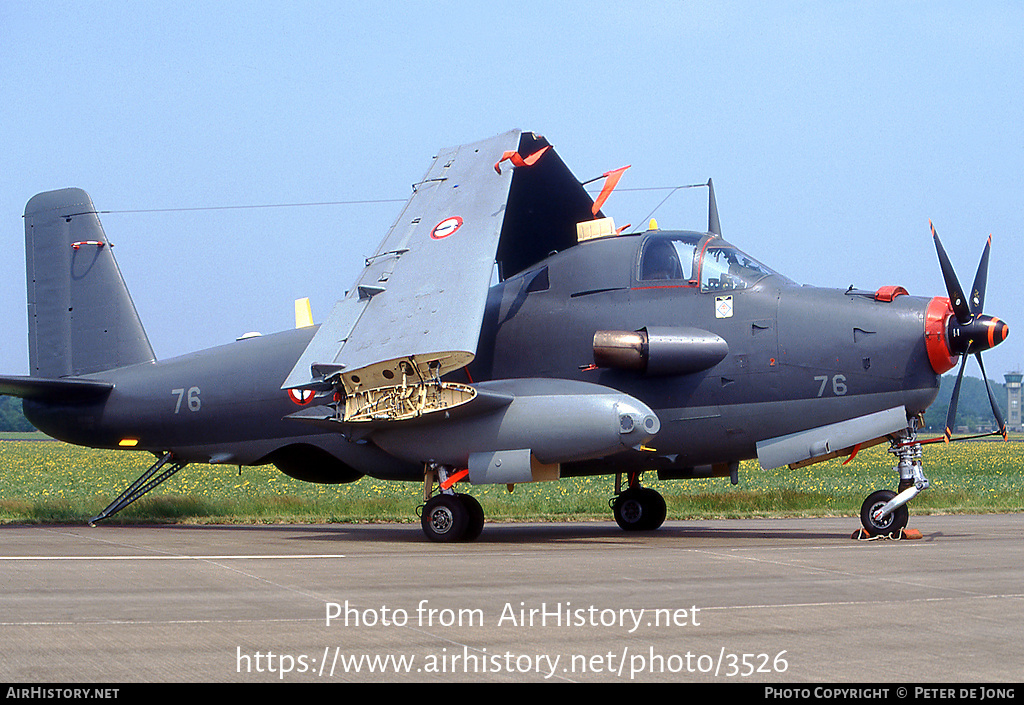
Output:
[[724, 268]]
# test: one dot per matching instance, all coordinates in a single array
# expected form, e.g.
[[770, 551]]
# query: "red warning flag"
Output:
[[611, 180], [517, 160]]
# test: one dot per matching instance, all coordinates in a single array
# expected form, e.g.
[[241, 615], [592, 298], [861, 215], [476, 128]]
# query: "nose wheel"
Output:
[[888, 525]]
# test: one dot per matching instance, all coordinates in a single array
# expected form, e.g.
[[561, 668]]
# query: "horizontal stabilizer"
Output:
[[54, 390]]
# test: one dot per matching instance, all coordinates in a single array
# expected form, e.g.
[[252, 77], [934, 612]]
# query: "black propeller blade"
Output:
[[956, 294], [970, 331], [977, 300], [992, 398], [951, 412]]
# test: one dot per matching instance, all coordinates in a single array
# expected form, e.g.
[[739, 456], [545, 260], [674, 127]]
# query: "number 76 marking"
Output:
[[194, 403], [838, 384]]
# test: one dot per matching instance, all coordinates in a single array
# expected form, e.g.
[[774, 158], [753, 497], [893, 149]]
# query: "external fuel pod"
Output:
[[659, 351]]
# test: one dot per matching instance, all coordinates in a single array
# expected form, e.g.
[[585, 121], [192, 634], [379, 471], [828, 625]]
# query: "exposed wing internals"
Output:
[[403, 389], [505, 332]]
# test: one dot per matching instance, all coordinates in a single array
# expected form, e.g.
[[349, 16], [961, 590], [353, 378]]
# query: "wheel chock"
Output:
[[903, 535]]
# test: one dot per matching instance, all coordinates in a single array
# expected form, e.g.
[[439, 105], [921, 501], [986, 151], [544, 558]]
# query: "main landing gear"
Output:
[[885, 513], [637, 508], [450, 516]]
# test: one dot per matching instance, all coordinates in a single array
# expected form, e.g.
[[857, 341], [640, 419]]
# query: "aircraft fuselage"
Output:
[[797, 358]]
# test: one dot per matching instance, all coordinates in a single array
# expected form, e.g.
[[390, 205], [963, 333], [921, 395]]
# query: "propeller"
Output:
[[969, 331]]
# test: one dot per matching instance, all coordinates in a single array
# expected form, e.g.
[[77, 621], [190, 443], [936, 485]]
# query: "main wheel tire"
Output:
[[639, 509], [476, 517], [445, 518], [657, 510], [628, 511], [889, 526]]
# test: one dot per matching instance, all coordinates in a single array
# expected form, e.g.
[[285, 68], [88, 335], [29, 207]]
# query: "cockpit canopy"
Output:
[[692, 259]]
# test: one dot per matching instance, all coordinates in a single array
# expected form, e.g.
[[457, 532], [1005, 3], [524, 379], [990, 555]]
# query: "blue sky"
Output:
[[833, 132]]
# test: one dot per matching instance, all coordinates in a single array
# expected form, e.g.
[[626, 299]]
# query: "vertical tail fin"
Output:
[[81, 318]]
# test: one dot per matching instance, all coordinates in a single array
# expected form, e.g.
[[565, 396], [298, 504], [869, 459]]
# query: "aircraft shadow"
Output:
[[566, 533], [502, 533]]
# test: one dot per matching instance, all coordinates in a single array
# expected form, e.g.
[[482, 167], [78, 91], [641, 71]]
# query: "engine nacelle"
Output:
[[556, 420]]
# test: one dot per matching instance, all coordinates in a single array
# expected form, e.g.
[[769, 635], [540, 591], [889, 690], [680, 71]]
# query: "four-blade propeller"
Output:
[[969, 331]]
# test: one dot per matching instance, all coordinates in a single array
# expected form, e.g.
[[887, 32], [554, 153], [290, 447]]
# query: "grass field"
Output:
[[47, 481]]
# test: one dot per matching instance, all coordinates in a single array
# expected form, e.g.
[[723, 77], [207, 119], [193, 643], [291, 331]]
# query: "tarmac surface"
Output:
[[794, 600]]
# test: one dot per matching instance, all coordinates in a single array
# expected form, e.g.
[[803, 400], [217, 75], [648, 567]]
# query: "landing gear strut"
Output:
[[637, 508], [885, 513], [141, 486], [450, 516]]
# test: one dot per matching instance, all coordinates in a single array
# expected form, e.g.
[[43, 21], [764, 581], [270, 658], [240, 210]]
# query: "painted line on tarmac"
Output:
[[258, 557]]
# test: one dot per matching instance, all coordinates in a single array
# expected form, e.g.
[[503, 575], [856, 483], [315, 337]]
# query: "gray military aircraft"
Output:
[[504, 332]]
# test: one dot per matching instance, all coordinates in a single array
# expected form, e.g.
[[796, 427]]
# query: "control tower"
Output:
[[1013, 379]]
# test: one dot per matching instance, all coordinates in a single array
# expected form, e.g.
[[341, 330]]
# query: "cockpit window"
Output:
[[690, 259], [726, 268], [667, 259]]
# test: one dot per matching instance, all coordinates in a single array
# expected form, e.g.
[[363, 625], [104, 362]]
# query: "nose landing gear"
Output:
[[885, 513]]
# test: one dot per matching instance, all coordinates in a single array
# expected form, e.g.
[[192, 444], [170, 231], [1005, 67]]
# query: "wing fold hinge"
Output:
[[403, 402], [403, 388]]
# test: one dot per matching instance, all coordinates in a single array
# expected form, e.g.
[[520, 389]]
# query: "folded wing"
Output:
[[415, 311]]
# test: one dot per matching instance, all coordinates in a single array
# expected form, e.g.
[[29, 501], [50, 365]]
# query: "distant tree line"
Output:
[[973, 409], [11, 416]]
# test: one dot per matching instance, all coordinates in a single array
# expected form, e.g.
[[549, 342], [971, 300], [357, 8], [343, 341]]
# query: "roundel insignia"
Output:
[[446, 227], [301, 396]]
